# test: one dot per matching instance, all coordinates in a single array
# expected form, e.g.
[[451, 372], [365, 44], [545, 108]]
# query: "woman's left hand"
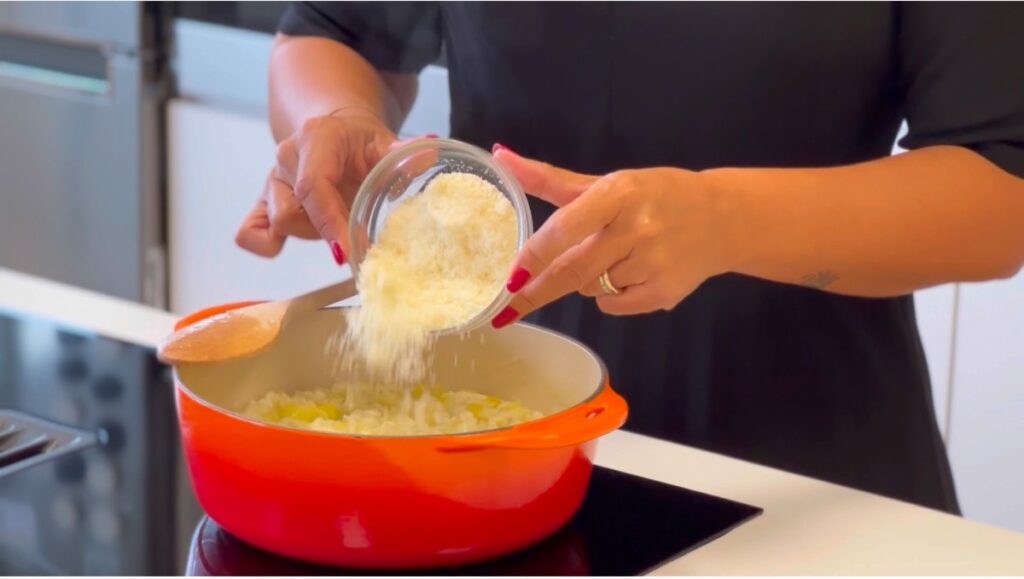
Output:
[[657, 232]]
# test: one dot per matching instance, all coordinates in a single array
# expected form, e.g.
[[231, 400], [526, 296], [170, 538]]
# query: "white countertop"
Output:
[[809, 527]]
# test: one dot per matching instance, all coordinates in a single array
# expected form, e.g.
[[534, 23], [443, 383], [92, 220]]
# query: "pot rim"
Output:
[[603, 388]]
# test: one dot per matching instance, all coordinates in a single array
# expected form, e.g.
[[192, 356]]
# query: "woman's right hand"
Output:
[[308, 192]]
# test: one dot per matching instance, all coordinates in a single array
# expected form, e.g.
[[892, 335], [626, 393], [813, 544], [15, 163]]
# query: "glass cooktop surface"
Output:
[[627, 525]]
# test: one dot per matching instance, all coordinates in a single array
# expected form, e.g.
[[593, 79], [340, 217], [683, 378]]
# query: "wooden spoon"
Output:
[[247, 330]]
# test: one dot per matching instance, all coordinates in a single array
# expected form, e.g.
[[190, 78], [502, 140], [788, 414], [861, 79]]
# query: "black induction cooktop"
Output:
[[627, 525]]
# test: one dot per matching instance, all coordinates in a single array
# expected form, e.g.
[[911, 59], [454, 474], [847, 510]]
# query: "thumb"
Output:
[[547, 182]]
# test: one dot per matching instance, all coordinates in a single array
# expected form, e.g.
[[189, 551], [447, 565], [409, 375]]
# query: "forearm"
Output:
[[311, 77], [880, 228]]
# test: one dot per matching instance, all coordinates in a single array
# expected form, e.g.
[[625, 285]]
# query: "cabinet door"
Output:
[[217, 162], [986, 436]]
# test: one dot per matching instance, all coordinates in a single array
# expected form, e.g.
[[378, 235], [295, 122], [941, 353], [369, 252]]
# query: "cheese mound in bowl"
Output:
[[404, 412]]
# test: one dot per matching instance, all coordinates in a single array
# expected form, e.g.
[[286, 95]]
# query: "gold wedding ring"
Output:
[[607, 286]]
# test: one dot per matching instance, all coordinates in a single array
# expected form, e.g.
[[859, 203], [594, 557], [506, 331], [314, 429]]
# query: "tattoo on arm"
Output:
[[819, 280]]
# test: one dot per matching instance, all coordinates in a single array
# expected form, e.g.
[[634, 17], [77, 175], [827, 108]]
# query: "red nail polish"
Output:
[[499, 147], [517, 280], [338, 253], [504, 317], [431, 135]]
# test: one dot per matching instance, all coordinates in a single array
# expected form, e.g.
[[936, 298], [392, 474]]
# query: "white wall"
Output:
[[986, 434]]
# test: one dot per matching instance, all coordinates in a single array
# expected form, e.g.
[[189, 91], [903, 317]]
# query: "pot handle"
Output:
[[596, 417]]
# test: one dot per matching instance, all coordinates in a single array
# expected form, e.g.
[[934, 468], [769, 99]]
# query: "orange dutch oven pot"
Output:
[[390, 502]]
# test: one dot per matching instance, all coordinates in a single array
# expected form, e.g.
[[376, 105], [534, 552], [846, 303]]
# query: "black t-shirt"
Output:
[[831, 386]]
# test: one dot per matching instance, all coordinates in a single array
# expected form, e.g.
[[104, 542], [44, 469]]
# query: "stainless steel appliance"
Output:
[[82, 89]]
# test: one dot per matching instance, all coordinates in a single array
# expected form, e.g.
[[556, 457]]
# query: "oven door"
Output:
[[47, 527], [112, 508]]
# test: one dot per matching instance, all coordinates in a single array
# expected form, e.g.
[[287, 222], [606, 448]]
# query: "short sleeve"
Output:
[[962, 77], [392, 36]]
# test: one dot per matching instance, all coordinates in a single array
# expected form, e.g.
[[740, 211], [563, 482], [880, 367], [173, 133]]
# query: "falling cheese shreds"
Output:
[[440, 259]]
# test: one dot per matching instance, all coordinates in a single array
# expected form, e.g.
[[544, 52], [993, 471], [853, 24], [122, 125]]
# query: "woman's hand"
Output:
[[318, 171], [657, 232]]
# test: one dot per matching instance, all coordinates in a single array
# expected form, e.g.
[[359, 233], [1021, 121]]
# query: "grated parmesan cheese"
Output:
[[441, 258]]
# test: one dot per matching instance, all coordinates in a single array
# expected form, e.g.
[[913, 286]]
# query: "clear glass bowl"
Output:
[[405, 172]]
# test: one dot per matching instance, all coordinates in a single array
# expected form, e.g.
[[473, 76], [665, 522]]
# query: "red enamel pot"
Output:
[[396, 502]]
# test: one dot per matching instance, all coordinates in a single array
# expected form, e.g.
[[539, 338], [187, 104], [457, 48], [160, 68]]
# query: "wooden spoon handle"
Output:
[[321, 298]]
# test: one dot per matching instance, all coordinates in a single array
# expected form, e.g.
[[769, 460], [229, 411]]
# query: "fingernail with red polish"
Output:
[[431, 135], [338, 253], [499, 147], [517, 280], [504, 317]]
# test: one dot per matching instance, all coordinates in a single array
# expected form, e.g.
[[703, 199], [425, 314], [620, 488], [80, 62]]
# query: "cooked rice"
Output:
[[397, 413]]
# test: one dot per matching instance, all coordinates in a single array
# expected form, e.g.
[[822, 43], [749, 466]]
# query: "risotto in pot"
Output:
[[408, 411]]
